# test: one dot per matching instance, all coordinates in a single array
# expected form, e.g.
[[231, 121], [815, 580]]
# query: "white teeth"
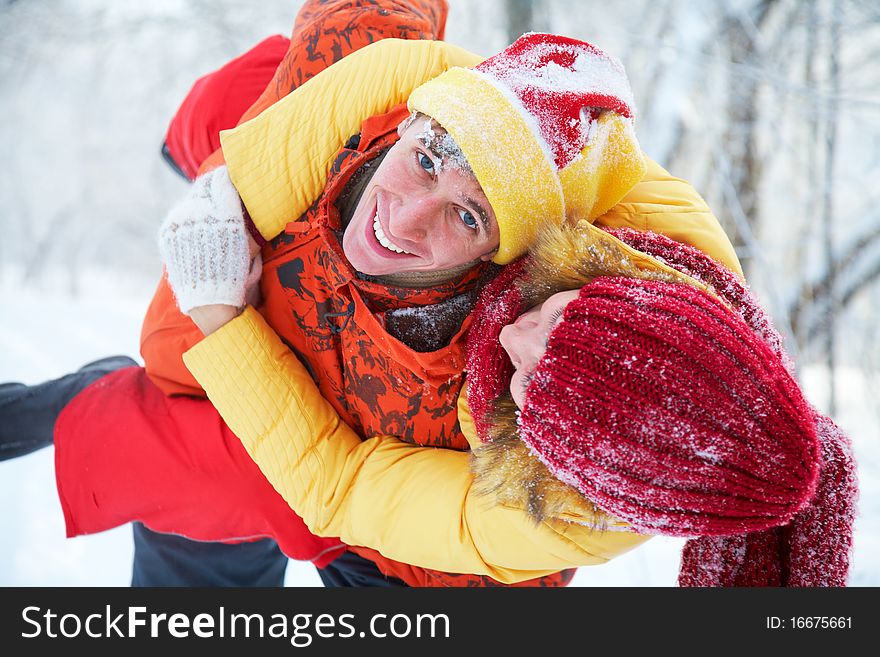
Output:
[[383, 240]]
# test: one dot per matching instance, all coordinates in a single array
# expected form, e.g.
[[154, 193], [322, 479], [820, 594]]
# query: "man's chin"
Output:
[[372, 267], [370, 263]]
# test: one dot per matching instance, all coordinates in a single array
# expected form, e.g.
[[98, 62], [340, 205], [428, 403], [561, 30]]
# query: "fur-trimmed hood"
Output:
[[564, 259]]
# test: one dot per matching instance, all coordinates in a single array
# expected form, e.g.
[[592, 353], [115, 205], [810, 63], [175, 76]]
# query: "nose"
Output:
[[414, 217], [507, 338], [520, 344]]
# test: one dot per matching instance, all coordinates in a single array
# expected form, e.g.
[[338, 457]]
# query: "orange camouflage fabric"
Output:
[[334, 321]]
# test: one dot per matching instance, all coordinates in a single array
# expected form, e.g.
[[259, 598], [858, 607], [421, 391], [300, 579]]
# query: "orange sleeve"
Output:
[[324, 32], [165, 335]]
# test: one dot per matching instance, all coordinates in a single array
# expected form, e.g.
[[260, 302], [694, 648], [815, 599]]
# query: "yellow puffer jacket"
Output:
[[413, 504]]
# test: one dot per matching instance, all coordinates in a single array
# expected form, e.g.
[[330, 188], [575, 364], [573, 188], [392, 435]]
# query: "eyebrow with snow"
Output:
[[447, 153], [444, 147], [484, 216]]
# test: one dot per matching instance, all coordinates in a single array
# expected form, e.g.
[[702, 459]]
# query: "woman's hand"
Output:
[[212, 317], [205, 245]]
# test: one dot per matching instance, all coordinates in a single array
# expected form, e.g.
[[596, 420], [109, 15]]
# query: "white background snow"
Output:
[[89, 298]]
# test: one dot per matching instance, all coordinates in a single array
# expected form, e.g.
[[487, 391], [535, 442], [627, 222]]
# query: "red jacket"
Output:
[[217, 102]]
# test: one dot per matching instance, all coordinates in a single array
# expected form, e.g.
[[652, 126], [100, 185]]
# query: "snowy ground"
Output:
[[44, 333]]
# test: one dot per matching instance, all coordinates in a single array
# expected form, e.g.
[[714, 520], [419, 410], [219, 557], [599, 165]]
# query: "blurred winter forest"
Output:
[[771, 108]]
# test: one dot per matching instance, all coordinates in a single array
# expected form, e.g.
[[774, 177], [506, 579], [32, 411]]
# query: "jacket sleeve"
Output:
[[664, 204], [412, 504], [326, 31]]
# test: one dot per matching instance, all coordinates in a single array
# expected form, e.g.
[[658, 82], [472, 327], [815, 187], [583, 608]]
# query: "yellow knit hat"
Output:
[[547, 127]]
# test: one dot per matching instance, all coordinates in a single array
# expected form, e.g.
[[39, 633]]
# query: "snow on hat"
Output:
[[813, 549], [735, 360], [662, 407], [547, 127]]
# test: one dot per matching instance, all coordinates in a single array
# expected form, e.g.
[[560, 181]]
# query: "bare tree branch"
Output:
[[818, 293]]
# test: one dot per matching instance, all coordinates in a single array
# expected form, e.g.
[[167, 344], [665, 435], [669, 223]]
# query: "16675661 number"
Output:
[[809, 623], [821, 622]]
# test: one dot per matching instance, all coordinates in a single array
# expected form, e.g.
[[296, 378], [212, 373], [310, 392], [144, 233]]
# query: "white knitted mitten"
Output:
[[204, 244]]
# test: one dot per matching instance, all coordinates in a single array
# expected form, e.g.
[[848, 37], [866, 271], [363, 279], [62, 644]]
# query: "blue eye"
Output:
[[467, 218], [426, 163]]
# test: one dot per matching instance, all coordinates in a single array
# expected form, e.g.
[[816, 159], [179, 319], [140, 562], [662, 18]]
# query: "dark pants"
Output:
[[170, 560], [350, 569], [28, 413]]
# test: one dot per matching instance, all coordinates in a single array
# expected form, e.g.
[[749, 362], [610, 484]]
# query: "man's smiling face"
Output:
[[423, 209]]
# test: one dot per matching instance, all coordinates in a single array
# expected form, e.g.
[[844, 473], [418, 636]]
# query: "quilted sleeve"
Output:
[[413, 504], [670, 206]]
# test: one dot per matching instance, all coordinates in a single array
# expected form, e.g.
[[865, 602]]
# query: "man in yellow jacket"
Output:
[[520, 170], [524, 179]]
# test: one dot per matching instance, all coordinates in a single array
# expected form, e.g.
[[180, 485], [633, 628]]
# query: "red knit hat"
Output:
[[666, 409], [814, 549]]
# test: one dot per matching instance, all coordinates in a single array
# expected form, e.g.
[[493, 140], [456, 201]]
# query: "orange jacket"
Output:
[[333, 320]]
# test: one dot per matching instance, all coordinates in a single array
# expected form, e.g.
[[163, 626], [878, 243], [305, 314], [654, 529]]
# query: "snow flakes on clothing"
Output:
[[814, 549], [562, 85]]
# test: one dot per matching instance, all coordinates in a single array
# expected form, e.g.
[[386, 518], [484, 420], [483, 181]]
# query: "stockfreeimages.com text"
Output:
[[300, 629]]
